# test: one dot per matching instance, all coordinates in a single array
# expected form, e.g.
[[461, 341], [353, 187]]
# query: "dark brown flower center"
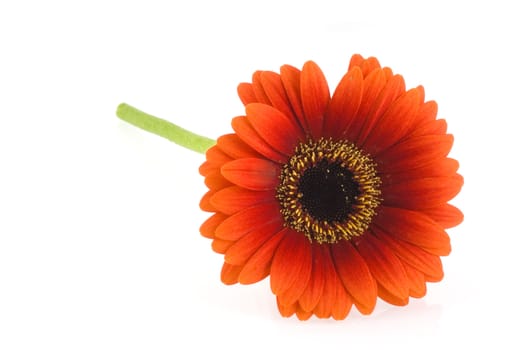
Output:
[[329, 190]]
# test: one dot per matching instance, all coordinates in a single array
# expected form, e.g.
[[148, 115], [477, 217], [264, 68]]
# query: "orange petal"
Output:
[[232, 199], [230, 273], [384, 266], [428, 127], [427, 263], [372, 86], [312, 294], [252, 173], [428, 111], [246, 93], [239, 224], [301, 280], [220, 245], [290, 77], [355, 275], [258, 266], [286, 310], [207, 168], [395, 123], [208, 227], [234, 147], [247, 133], [342, 304], [258, 89], [391, 91], [367, 65], [215, 181], [215, 155], [355, 61], [327, 301], [414, 153], [442, 167], [446, 215], [422, 193], [291, 258], [274, 89], [389, 297], [205, 204], [315, 97], [415, 228], [303, 315], [416, 280], [279, 131], [344, 104], [248, 244]]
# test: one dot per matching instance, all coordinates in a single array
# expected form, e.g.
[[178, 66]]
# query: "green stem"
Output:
[[164, 128]]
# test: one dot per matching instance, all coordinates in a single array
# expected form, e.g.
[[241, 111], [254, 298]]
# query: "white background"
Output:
[[99, 241]]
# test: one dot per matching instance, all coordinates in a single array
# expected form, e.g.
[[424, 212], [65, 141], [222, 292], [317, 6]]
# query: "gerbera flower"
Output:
[[339, 199]]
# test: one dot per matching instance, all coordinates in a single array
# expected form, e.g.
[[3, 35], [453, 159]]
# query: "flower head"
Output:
[[339, 199]]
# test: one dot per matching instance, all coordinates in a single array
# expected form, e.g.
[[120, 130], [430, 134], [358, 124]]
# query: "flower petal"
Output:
[[366, 65], [205, 204], [290, 77], [426, 117], [427, 263], [250, 219], [395, 123], [414, 153], [246, 93], [232, 199], [428, 127], [415, 228], [391, 91], [390, 298], [274, 89], [221, 245], [252, 173], [292, 257], [446, 215], [230, 273], [355, 275], [258, 266], [258, 89], [384, 266], [234, 147], [208, 227], [312, 294], [279, 131], [343, 302], [207, 168], [428, 111], [215, 181], [443, 167], [422, 193], [286, 310], [298, 286], [416, 280], [327, 302], [355, 61], [248, 244], [215, 155], [315, 97], [303, 315], [344, 104], [372, 86], [247, 133]]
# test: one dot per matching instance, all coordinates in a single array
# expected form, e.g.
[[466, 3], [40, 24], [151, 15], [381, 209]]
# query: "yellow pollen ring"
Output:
[[348, 156]]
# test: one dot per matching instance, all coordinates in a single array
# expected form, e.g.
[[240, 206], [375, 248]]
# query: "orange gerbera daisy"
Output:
[[339, 199]]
